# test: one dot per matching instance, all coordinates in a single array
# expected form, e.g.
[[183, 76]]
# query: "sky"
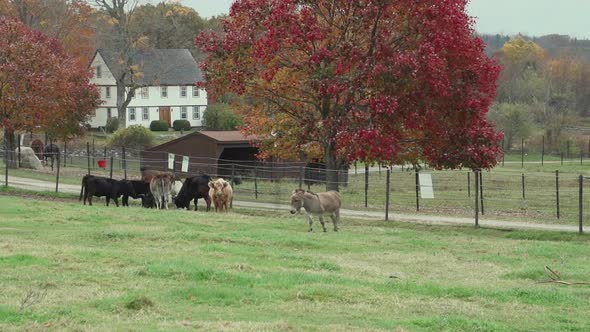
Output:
[[529, 17]]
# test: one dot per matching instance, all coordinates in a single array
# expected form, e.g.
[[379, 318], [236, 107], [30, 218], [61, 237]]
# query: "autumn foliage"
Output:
[[372, 80], [41, 87]]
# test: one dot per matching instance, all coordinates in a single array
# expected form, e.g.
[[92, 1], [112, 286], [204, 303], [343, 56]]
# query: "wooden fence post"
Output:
[[111, 173], [475, 173], [125, 163], [417, 189], [88, 155], [581, 204], [366, 185], [468, 184], [481, 191], [57, 174], [557, 191], [256, 183], [387, 187], [301, 175]]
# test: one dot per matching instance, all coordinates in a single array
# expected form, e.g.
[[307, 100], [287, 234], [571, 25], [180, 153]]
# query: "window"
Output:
[[183, 112], [132, 114], [196, 113], [195, 91], [145, 92], [183, 91], [98, 72], [108, 91], [109, 114], [164, 91], [145, 113]]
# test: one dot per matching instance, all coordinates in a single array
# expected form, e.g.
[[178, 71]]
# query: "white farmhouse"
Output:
[[167, 91]]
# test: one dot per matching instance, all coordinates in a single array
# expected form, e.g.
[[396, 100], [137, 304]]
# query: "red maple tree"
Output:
[[41, 87], [373, 80]]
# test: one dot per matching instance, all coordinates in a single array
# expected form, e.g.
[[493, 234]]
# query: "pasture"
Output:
[[64, 266]]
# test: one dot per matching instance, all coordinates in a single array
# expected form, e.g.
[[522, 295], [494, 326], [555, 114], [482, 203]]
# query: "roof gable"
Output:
[[158, 66]]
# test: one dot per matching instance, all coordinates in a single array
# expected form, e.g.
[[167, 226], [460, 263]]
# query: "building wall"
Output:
[[153, 100]]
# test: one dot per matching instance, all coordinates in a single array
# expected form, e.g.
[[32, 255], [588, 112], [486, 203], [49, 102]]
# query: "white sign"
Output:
[[170, 161], [185, 164], [426, 188]]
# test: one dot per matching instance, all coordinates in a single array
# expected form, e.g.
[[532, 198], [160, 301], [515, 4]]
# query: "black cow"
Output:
[[50, 152], [100, 186], [141, 190], [193, 188]]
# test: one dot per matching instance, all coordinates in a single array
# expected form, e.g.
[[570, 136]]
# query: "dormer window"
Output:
[[98, 72]]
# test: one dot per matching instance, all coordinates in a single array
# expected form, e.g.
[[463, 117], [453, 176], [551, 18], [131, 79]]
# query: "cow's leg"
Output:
[[90, 200], [335, 219], [116, 199], [196, 199], [108, 198], [208, 201], [322, 222], [310, 219]]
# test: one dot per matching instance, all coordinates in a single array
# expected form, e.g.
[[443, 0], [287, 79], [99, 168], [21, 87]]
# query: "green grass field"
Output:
[[64, 266]]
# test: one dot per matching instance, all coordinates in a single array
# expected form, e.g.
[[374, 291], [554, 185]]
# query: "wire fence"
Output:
[[538, 197]]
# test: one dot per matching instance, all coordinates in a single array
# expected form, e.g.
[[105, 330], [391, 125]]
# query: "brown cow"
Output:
[[221, 193]]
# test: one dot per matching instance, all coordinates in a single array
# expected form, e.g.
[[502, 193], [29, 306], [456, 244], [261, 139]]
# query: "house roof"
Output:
[[158, 66]]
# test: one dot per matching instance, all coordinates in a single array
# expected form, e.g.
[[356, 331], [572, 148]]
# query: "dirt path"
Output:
[[38, 185]]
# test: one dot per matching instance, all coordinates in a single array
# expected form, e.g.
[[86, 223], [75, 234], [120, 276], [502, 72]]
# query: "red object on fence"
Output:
[[102, 163]]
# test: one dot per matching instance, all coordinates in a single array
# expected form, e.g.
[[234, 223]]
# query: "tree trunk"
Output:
[[333, 165], [9, 147], [121, 104]]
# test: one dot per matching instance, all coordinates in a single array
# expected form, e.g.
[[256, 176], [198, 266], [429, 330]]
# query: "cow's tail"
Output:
[[82, 189]]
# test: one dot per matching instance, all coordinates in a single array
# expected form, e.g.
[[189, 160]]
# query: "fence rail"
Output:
[[534, 196]]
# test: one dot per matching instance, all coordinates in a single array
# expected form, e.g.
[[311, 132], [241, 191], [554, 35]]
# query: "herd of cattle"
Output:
[[156, 189]]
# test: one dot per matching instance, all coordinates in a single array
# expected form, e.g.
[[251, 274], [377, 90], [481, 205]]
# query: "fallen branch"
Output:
[[555, 278]]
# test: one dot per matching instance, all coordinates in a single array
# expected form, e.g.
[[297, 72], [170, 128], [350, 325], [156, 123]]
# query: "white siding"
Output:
[[153, 102]]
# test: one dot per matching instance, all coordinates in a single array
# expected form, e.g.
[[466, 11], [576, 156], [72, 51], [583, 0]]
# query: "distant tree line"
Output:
[[543, 90]]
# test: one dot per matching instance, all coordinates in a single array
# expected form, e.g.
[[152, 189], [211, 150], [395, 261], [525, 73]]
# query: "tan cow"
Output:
[[221, 194]]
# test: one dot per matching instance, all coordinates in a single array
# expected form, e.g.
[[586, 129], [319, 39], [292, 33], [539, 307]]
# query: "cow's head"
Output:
[[218, 186], [297, 200]]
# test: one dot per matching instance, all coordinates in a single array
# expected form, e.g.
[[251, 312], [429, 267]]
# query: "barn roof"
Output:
[[218, 137], [233, 136], [158, 66]]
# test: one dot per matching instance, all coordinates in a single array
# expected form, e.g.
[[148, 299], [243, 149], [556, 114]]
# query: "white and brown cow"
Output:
[[161, 186], [221, 193]]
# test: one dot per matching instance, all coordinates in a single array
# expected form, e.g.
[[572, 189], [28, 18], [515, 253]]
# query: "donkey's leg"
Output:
[[310, 218], [335, 219], [322, 222]]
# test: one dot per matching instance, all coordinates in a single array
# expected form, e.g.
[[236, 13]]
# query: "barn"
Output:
[[225, 153]]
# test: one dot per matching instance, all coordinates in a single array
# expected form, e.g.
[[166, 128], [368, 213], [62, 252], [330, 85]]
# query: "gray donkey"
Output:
[[319, 204]]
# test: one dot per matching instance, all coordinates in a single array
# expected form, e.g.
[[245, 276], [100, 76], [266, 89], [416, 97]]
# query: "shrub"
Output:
[[112, 124], [179, 125], [159, 125], [136, 136], [220, 117]]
